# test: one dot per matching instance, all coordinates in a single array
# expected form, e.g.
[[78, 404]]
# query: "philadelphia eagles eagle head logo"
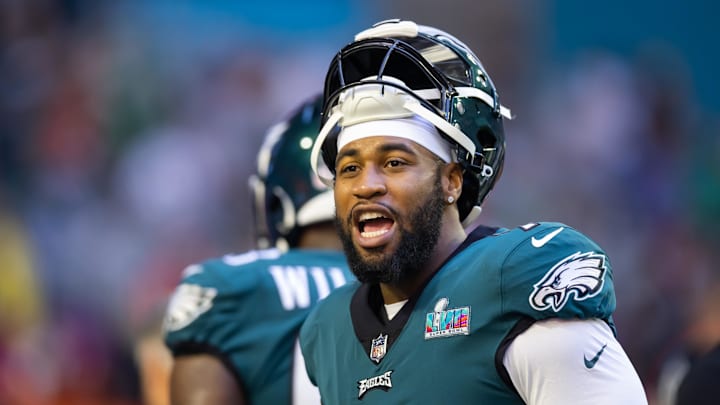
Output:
[[580, 274]]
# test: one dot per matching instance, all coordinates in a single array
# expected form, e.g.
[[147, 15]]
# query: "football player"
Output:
[[412, 142], [232, 322]]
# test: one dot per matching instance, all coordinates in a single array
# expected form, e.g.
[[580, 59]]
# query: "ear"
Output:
[[452, 180]]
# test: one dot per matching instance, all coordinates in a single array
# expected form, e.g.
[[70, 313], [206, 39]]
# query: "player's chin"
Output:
[[375, 256], [374, 270]]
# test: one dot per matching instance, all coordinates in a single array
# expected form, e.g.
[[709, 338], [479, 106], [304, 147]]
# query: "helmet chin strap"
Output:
[[472, 220]]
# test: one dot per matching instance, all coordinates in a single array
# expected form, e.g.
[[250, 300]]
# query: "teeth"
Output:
[[367, 216], [373, 234], [370, 215]]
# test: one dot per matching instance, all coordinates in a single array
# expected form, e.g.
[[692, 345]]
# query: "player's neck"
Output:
[[392, 293]]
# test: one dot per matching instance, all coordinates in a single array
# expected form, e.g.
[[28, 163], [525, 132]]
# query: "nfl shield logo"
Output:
[[378, 348]]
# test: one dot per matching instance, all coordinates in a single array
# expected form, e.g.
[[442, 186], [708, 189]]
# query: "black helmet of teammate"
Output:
[[286, 193]]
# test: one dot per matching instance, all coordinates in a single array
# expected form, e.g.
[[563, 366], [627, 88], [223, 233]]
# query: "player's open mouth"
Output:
[[373, 224], [374, 228]]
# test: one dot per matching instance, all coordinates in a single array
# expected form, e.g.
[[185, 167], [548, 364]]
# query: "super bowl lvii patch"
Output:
[[443, 322]]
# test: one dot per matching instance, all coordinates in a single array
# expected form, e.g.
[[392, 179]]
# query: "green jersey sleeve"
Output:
[[554, 271]]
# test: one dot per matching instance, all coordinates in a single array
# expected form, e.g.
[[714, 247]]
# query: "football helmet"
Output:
[[286, 194], [422, 71]]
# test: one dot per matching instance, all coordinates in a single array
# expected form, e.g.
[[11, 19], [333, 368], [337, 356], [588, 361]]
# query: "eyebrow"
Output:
[[384, 148]]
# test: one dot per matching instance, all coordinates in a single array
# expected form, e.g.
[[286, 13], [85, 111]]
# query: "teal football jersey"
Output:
[[446, 344], [247, 309]]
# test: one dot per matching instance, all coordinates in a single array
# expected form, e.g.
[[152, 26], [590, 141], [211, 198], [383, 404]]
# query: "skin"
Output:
[[153, 361], [202, 379], [393, 177]]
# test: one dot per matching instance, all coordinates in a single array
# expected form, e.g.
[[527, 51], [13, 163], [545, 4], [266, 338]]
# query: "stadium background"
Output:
[[128, 129]]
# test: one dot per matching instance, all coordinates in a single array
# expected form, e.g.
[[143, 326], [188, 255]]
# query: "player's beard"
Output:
[[414, 250]]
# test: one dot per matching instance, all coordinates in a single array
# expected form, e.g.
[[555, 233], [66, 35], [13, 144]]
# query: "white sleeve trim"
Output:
[[563, 362]]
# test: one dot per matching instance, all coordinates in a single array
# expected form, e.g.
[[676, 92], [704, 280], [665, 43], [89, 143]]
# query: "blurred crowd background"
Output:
[[128, 130]]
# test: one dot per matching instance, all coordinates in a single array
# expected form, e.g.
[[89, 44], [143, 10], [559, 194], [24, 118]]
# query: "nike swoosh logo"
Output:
[[538, 243], [591, 363]]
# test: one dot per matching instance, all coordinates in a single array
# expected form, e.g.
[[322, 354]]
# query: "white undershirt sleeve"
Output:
[[572, 362]]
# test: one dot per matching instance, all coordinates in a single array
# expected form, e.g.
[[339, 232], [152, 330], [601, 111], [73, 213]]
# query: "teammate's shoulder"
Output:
[[216, 285], [231, 272], [249, 259], [231, 264], [313, 257]]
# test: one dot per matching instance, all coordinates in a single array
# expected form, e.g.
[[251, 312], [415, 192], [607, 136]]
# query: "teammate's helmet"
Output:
[[430, 74], [286, 194]]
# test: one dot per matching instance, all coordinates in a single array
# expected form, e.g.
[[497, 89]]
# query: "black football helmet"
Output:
[[286, 193], [432, 75]]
